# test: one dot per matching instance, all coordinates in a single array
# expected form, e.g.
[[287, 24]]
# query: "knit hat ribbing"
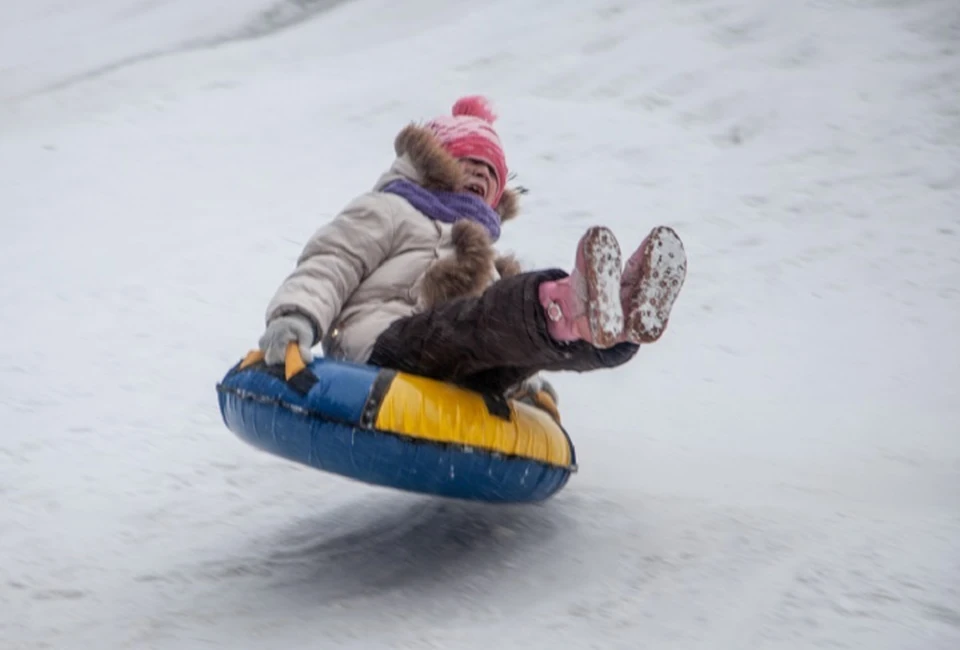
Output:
[[469, 133]]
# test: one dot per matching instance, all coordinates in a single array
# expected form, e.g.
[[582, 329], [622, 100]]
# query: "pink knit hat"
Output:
[[469, 133]]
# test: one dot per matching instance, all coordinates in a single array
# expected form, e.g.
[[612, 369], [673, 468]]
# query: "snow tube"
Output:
[[397, 430]]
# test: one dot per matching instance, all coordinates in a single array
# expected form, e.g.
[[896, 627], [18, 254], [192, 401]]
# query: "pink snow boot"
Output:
[[586, 305], [651, 281]]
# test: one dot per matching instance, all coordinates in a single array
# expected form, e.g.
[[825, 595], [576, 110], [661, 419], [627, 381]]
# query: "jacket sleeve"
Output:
[[334, 261]]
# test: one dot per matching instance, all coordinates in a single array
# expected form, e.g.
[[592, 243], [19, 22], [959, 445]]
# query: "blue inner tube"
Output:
[[397, 430]]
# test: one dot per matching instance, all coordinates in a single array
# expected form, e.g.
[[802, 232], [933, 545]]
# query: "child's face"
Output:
[[479, 178]]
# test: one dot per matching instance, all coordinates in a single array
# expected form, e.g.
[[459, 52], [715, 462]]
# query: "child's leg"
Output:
[[491, 342], [545, 320]]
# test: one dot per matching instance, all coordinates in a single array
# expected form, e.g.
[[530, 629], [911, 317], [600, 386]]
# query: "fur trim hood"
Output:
[[422, 159]]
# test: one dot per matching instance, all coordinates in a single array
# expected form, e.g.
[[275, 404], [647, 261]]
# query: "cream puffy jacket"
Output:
[[367, 267]]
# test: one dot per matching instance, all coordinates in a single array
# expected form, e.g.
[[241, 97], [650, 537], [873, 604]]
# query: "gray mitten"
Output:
[[282, 331]]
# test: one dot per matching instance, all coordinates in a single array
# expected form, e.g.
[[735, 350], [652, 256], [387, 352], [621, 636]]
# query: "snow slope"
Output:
[[782, 470], [50, 44]]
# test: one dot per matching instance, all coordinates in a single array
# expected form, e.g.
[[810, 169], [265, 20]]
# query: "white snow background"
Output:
[[781, 470]]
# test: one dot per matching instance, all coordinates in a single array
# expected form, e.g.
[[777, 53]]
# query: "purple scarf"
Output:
[[448, 207]]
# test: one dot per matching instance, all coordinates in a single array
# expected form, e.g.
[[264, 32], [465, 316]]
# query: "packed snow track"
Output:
[[781, 470]]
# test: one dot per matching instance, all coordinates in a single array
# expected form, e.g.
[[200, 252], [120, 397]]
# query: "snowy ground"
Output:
[[782, 470]]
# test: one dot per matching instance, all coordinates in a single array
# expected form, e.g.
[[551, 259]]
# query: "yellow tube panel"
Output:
[[431, 410]]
